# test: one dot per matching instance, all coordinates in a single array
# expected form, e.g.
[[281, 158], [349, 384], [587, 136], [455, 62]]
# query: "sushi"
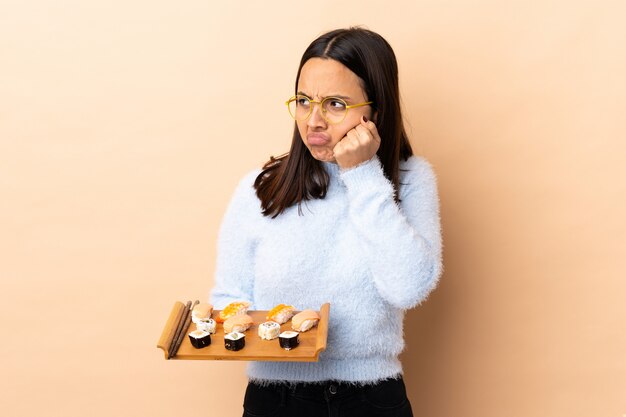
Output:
[[269, 330], [281, 313], [233, 309], [234, 341], [207, 325], [239, 323], [200, 339], [289, 340], [201, 312], [304, 320]]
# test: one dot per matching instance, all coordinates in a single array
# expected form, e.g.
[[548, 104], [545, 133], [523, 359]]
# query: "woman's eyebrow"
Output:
[[332, 95]]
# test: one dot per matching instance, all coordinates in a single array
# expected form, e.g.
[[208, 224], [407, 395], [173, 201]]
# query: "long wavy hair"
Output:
[[296, 176]]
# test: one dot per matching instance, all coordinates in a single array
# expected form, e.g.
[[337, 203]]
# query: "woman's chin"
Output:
[[322, 155]]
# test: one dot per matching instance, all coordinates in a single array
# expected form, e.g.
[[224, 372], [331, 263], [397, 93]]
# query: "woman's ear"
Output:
[[374, 117]]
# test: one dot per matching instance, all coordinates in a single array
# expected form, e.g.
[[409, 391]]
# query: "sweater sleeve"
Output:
[[402, 244], [234, 271]]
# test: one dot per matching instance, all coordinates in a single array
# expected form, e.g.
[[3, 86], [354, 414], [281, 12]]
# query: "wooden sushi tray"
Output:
[[312, 342]]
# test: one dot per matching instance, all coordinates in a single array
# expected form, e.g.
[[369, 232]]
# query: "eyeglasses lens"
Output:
[[333, 109]]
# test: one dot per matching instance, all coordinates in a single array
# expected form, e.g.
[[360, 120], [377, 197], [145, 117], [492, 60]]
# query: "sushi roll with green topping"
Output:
[[200, 339], [207, 325], [234, 341]]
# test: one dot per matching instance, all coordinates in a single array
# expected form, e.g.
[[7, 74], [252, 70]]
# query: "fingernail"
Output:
[[365, 119]]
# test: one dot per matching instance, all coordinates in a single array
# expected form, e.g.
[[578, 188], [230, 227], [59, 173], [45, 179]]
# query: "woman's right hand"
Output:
[[359, 145]]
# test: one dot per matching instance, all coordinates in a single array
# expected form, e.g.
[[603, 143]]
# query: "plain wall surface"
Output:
[[125, 126]]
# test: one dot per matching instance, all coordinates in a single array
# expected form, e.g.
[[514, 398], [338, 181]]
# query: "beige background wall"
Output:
[[125, 125]]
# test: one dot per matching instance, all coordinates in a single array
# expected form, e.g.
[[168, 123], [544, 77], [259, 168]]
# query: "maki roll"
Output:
[[201, 312], [304, 320], [269, 330], [234, 341], [289, 340], [200, 339], [206, 325], [281, 313], [239, 323]]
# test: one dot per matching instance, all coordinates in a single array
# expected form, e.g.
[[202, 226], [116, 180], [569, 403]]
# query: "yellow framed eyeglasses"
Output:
[[334, 109]]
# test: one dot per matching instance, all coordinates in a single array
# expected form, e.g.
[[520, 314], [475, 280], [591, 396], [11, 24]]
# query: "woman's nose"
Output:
[[315, 118]]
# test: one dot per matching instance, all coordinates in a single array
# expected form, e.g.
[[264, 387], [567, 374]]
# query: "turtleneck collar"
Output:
[[332, 168]]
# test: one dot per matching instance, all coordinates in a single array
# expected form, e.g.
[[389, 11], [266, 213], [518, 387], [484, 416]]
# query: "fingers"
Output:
[[358, 145], [367, 132], [354, 136], [361, 135], [371, 128]]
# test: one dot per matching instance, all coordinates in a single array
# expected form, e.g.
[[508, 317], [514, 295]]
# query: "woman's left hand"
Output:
[[359, 145]]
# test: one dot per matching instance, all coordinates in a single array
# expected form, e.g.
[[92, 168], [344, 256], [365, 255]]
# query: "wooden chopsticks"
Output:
[[183, 320]]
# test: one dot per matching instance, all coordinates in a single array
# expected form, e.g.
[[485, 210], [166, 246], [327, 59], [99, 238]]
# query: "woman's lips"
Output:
[[317, 139]]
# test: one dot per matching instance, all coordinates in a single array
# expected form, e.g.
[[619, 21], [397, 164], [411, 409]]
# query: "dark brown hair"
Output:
[[296, 176]]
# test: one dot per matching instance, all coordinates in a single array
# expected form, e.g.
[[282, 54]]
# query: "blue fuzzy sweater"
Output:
[[369, 257]]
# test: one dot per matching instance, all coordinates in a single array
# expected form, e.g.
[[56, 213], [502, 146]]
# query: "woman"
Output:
[[349, 216]]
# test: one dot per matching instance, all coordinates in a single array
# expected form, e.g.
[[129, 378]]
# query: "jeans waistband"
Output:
[[326, 389], [319, 390]]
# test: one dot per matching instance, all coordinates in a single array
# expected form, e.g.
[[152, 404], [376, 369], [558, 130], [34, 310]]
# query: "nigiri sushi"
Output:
[[202, 312], [281, 313], [304, 320], [239, 323], [233, 309]]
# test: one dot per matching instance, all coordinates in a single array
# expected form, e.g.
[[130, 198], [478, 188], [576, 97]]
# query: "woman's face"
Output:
[[321, 78]]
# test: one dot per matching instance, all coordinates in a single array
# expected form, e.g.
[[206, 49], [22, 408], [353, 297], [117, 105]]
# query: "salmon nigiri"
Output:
[[304, 320], [201, 312], [239, 323]]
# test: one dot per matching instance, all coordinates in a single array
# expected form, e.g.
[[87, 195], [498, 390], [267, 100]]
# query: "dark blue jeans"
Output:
[[329, 399]]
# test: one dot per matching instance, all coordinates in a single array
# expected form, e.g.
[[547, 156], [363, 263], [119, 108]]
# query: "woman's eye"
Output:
[[337, 104], [302, 101]]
